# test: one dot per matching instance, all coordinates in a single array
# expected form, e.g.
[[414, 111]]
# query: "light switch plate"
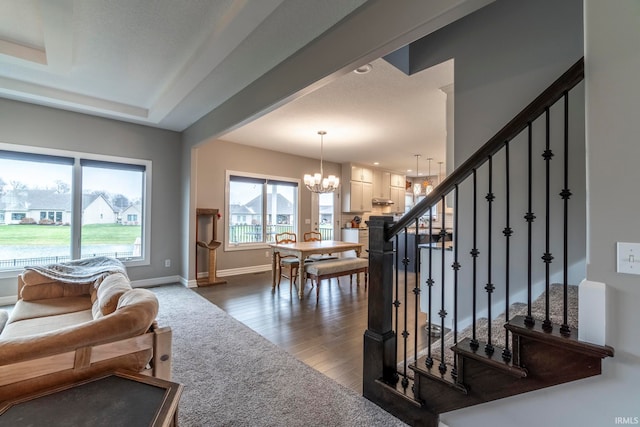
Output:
[[628, 258]]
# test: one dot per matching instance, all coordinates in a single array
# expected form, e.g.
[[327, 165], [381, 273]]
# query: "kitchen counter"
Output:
[[420, 240], [425, 230]]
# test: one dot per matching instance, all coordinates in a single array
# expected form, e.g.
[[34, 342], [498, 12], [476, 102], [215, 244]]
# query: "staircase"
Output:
[[511, 240]]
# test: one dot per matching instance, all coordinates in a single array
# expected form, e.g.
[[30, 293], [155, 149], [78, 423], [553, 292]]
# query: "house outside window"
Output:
[[37, 190], [257, 208]]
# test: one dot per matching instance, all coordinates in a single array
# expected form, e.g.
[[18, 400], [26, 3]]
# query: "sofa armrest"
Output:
[[126, 339], [134, 316]]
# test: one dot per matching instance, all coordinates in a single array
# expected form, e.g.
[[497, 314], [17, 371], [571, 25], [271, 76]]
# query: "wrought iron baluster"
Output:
[[416, 293], [396, 301], [529, 217], [565, 194], [547, 257], [456, 266], [508, 232], [489, 287], [405, 332], [474, 254], [442, 313], [429, 360]]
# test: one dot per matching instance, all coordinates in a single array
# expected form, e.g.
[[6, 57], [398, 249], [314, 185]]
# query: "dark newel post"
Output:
[[379, 338]]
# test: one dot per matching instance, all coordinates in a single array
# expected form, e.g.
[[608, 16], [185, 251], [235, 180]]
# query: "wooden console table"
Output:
[[118, 399]]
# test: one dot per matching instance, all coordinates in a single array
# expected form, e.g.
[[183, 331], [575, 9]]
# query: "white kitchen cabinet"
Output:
[[359, 197], [397, 180], [397, 196], [359, 173], [397, 192], [357, 194], [381, 184]]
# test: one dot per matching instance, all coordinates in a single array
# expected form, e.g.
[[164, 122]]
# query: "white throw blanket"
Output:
[[81, 270]]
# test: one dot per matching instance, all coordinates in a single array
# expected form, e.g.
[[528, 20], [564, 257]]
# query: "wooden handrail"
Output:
[[553, 93]]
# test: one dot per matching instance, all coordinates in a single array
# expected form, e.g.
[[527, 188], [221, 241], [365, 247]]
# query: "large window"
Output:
[[258, 208], [112, 200], [60, 206]]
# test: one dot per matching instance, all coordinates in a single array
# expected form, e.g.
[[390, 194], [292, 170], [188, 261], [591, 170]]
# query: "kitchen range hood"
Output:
[[381, 201]]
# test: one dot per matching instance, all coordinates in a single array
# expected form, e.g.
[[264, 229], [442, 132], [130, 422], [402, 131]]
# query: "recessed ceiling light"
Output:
[[376, 163], [364, 69]]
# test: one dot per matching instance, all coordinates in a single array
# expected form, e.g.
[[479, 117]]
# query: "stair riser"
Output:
[[550, 365], [547, 365]]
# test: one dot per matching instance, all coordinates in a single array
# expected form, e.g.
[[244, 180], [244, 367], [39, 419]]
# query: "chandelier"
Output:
[[428, 186], [417, 187], [317, 183]]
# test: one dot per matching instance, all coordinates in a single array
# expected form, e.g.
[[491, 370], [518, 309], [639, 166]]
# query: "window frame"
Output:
[[227, 215], [76, 199]]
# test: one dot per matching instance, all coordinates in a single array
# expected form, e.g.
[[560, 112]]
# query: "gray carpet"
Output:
[[235, 377]]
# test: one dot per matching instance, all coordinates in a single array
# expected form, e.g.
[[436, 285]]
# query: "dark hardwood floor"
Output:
[[326, 333]]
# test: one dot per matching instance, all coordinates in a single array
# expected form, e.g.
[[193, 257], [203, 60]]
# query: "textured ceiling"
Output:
[[163, 63], [383, 116], [167, 63]]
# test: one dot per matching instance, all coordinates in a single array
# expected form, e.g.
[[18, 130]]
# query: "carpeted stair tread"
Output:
[[498, 331]]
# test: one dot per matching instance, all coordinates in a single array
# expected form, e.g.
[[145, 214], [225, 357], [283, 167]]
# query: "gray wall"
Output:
[[31, 125], [612, 93], [501, 63], [504, 54], [363, 36], [213, 159]]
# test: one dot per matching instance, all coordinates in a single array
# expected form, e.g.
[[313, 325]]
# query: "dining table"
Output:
[[302, 250]]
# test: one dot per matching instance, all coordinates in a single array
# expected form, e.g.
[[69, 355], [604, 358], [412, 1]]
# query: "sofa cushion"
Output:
[[336, 266], [48, 307], [110, 291], [45, 290], [41, 325]]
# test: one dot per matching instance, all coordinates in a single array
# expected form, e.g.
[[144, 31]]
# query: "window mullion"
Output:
[[76, 210], [265, 214]]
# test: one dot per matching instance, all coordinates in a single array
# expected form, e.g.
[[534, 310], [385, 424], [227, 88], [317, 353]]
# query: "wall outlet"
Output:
[[167, 263], [266, 254]]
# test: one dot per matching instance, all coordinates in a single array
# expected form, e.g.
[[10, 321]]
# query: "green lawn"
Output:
[[53, 235]]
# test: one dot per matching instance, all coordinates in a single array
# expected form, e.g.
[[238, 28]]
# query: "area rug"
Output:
[[235, 377]]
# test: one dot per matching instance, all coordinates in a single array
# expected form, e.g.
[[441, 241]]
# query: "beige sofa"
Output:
[[64, 332]]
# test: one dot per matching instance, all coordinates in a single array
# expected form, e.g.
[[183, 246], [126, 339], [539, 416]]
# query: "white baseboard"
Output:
[[8, 300], [155, 281], [237, 271]]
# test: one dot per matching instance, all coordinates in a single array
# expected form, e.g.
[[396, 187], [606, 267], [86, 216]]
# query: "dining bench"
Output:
[[336, 268]]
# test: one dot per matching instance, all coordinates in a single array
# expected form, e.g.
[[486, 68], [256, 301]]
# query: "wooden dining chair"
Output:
[[284, 261], [315, 236], [312, 236]]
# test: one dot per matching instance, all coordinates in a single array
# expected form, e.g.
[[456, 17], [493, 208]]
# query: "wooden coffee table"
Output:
[[117, 399]]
